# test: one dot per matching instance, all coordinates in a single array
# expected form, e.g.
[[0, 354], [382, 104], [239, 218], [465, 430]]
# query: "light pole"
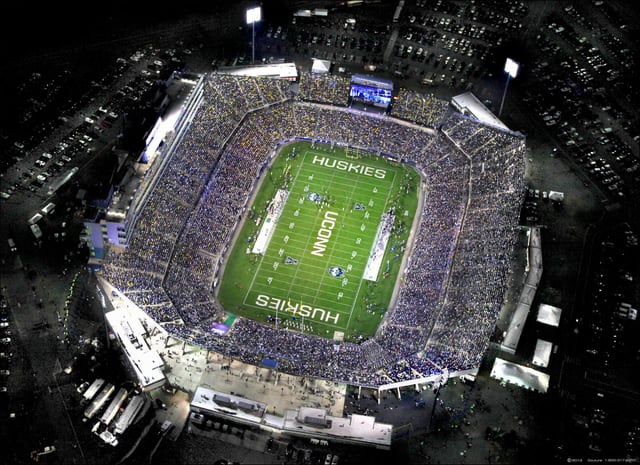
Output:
[[511, 68], [433, 408], [253, 16]]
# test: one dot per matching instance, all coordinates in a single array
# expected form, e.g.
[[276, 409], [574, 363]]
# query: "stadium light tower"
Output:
[[254, 15], [511, 68]]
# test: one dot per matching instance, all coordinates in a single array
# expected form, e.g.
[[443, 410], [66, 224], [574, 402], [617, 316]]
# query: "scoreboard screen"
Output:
[[373, 95], [371, 90]]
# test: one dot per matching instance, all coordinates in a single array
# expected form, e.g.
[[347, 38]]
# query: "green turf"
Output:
[[304, 295]]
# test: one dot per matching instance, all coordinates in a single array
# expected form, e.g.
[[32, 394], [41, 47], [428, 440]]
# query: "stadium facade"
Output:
[[449, 293]]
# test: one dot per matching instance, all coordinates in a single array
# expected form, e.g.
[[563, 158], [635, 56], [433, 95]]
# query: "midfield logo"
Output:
[[336, 272]]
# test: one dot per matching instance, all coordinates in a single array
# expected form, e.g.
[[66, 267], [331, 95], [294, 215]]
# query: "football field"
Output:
[[320, 249]]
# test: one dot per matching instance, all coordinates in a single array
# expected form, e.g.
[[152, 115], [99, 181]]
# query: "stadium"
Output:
[[448, 282]]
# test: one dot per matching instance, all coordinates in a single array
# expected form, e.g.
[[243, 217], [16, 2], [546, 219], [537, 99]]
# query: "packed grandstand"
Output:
[[450, 292]]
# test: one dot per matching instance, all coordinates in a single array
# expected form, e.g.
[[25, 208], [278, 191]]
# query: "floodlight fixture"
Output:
[[254, 15], [511, 68]]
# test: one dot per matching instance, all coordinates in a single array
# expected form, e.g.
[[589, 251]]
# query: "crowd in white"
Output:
[[451, 290]]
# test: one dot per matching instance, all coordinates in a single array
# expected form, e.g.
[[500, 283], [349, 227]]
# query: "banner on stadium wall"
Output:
[[219, 328], [270, 363]]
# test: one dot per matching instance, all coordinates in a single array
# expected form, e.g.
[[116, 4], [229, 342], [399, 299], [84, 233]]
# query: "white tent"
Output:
[[549, 315], [320, 66], [542, 353]]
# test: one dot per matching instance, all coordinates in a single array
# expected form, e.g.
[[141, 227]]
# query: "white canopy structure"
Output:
[[532, 279], [520, 375], [542, 353], [468, 104], [549, 315], [320, 66]]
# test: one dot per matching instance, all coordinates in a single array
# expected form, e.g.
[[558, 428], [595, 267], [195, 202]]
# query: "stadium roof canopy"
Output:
[[310, 13], [372, 81], [527, 294], [468, 104], [277, 70]]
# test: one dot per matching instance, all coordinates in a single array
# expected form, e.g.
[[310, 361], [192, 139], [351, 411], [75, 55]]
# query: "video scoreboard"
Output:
[[371, 90]]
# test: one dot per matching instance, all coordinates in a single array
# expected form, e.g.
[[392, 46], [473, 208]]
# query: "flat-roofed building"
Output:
[[304, 422], [208, 401], [145, 362]]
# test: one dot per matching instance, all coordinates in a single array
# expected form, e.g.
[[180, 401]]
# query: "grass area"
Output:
[[309, 275]]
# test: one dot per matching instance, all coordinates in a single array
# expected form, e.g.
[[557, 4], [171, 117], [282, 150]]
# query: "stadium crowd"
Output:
[[423, 109], [324, 88], [467, 227]]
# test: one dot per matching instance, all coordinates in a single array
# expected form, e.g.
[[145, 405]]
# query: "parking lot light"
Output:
[[511, 68], [253, 16]]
